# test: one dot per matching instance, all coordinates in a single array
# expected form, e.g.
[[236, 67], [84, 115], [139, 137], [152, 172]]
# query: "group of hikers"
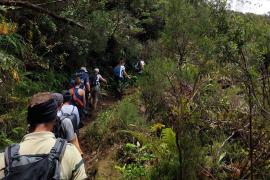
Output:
[[51, 149]]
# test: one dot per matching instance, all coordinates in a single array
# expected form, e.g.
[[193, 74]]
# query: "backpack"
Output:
[[72, 117], [95, 80], [58, 129], [34, 167], [138, 66], [77, 102], [82, 75]]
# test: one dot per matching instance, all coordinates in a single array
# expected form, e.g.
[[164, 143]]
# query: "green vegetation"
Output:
[[202, 105]]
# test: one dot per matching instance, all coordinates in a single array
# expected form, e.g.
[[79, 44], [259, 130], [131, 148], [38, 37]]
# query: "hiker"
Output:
[[83, 74], [139, 66], [78, 97], [68, 108], [40, 155], [85, 84], [120, 71], [66, 124], [120, 74], [95, 87]]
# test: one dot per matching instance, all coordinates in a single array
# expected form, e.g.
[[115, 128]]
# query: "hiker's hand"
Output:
[[129, 76]]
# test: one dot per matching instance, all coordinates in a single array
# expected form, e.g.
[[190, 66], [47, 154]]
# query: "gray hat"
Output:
[[96, 70], [58, 98]]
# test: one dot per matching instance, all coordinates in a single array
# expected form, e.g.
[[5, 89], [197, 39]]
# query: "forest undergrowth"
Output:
[[200, 110]]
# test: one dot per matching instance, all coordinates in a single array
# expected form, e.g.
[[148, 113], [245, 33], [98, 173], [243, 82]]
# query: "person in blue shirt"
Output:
[[120, 74], [120, 71], [84, 76]]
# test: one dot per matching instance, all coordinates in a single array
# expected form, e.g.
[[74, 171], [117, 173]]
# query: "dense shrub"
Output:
[[122, 116], [154, 83]]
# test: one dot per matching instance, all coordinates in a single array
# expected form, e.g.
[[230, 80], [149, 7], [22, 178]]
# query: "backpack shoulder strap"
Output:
[[59, 148], [64, 116], [62, 112], [75, 95], [10, 152], [72, 110], [76, 92], [72, 91], [56, 155]]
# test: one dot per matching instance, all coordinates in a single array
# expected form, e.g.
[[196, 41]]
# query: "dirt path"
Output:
[[99, 162], [100, 158]]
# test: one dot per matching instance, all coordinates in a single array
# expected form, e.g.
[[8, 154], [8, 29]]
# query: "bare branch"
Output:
[[39, 9], [52, 2]]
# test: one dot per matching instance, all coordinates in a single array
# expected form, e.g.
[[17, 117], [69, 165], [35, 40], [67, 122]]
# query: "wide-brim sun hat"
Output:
[[84, 68]]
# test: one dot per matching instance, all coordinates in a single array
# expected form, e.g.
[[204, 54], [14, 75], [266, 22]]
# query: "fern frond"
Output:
[[142, 137], [154, 143], [168, 137]]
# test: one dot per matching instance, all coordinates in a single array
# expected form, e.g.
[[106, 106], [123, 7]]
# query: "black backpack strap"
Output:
[[77, 166], [58, 149], [11, 152], [62, 112], [56, 155], [64, 116], [72, 110], [67, 114]]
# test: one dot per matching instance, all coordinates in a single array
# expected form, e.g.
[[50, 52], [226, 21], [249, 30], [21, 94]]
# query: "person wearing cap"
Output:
[[41, 117], [83, 74], [66, 124], [68, 108], [95, 87]]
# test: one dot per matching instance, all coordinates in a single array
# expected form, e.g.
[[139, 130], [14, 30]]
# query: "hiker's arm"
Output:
[[88, 87], [76, 112], [84, 99], [126, 75], [70, 135], [142, 65], [87, 81], [103, 80], [75, 142], [76, 165]]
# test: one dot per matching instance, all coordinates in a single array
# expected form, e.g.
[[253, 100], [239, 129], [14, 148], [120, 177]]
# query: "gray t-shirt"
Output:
[[67, 127], [69, 109]]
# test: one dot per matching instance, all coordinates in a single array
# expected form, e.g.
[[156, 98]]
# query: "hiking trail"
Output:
[[100, 159]]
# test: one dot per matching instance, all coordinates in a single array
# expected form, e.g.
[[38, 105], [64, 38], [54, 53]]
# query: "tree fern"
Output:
[[154, 143], [168, 137], [142, 137]]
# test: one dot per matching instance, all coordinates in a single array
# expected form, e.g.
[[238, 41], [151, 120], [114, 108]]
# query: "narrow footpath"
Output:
[[99, 158]]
